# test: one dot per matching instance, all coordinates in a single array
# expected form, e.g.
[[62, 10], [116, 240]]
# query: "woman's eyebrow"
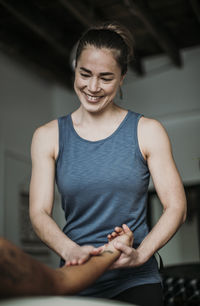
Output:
[[106, 73], [86, 70], [101, 73]]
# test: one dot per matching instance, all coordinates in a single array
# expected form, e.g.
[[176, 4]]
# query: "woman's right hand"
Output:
[[78, 255]]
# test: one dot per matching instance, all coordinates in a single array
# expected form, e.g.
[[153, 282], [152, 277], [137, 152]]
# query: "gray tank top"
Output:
[[104, 184]]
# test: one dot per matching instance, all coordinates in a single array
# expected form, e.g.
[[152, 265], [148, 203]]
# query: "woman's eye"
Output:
[[85, 75], [106, 80]]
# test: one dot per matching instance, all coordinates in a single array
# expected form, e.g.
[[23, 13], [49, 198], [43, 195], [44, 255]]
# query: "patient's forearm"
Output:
[[77, 278], [21, 275]]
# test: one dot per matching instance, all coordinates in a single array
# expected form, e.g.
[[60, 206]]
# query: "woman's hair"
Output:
[[112, 36]]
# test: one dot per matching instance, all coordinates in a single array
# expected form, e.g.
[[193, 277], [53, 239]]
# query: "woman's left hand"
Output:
[[129, 257]]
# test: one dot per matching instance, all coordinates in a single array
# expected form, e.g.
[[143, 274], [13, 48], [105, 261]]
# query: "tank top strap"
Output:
[[63, 123], [136, 118]]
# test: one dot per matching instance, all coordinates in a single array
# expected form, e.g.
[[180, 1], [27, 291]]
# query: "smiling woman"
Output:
[[102, 156], [97, 78]]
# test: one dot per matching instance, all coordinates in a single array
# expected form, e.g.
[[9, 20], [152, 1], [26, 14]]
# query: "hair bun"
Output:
[[122, 31]]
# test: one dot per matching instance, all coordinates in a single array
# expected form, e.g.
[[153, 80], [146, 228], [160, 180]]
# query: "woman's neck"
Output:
[[82, 117]]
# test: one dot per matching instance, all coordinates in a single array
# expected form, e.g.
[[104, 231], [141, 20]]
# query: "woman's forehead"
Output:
[[92, 57], [95, 52]]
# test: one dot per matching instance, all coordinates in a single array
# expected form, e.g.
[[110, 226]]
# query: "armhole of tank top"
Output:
[[137, 141], [60, 140]]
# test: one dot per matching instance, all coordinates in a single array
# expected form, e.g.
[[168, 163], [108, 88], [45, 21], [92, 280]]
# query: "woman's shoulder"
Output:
[[149, 125], [152, 133], [47, 129], [45, 137]]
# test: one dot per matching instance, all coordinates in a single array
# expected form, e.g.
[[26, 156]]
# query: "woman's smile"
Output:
[[93, 99]]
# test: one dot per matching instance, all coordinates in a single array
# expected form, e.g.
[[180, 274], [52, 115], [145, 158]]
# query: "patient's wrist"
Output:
[[109, 248]]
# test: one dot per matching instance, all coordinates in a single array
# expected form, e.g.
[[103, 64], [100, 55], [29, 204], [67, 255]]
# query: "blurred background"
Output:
[[37, 41]]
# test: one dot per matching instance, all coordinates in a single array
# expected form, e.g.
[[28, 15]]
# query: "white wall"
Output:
[[166, 90], [64, 101], [25, 103]]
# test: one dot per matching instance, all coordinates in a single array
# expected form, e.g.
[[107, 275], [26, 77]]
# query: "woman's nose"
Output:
[[93, 85]]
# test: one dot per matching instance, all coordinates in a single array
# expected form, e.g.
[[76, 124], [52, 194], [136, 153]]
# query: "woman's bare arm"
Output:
[[43, 154], [168, 186]]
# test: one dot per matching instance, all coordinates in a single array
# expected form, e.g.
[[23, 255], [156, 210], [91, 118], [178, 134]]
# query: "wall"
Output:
[[25, 103]]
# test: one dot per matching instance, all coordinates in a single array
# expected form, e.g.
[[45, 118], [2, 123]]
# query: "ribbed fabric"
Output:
[[104, 184]]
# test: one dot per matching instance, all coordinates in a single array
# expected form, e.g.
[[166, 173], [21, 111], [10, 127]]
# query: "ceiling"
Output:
[[42, 33]]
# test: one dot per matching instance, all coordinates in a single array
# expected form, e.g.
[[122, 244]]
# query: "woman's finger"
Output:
[[114, 234], [123, 248], [97, 251], [118, 229], [82, 260]]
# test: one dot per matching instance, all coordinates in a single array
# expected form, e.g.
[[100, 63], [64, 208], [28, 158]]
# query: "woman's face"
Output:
[[97, 78]]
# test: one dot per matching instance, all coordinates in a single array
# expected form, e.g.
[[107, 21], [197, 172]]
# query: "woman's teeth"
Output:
[[92, 98]]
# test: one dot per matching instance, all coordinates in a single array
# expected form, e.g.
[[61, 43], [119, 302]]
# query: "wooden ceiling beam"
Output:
[[50, 70], [157, 31], [80, 12], [36, 25], [196, 8]]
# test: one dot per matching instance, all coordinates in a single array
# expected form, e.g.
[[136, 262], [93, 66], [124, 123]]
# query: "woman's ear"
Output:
[[122, 79]]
